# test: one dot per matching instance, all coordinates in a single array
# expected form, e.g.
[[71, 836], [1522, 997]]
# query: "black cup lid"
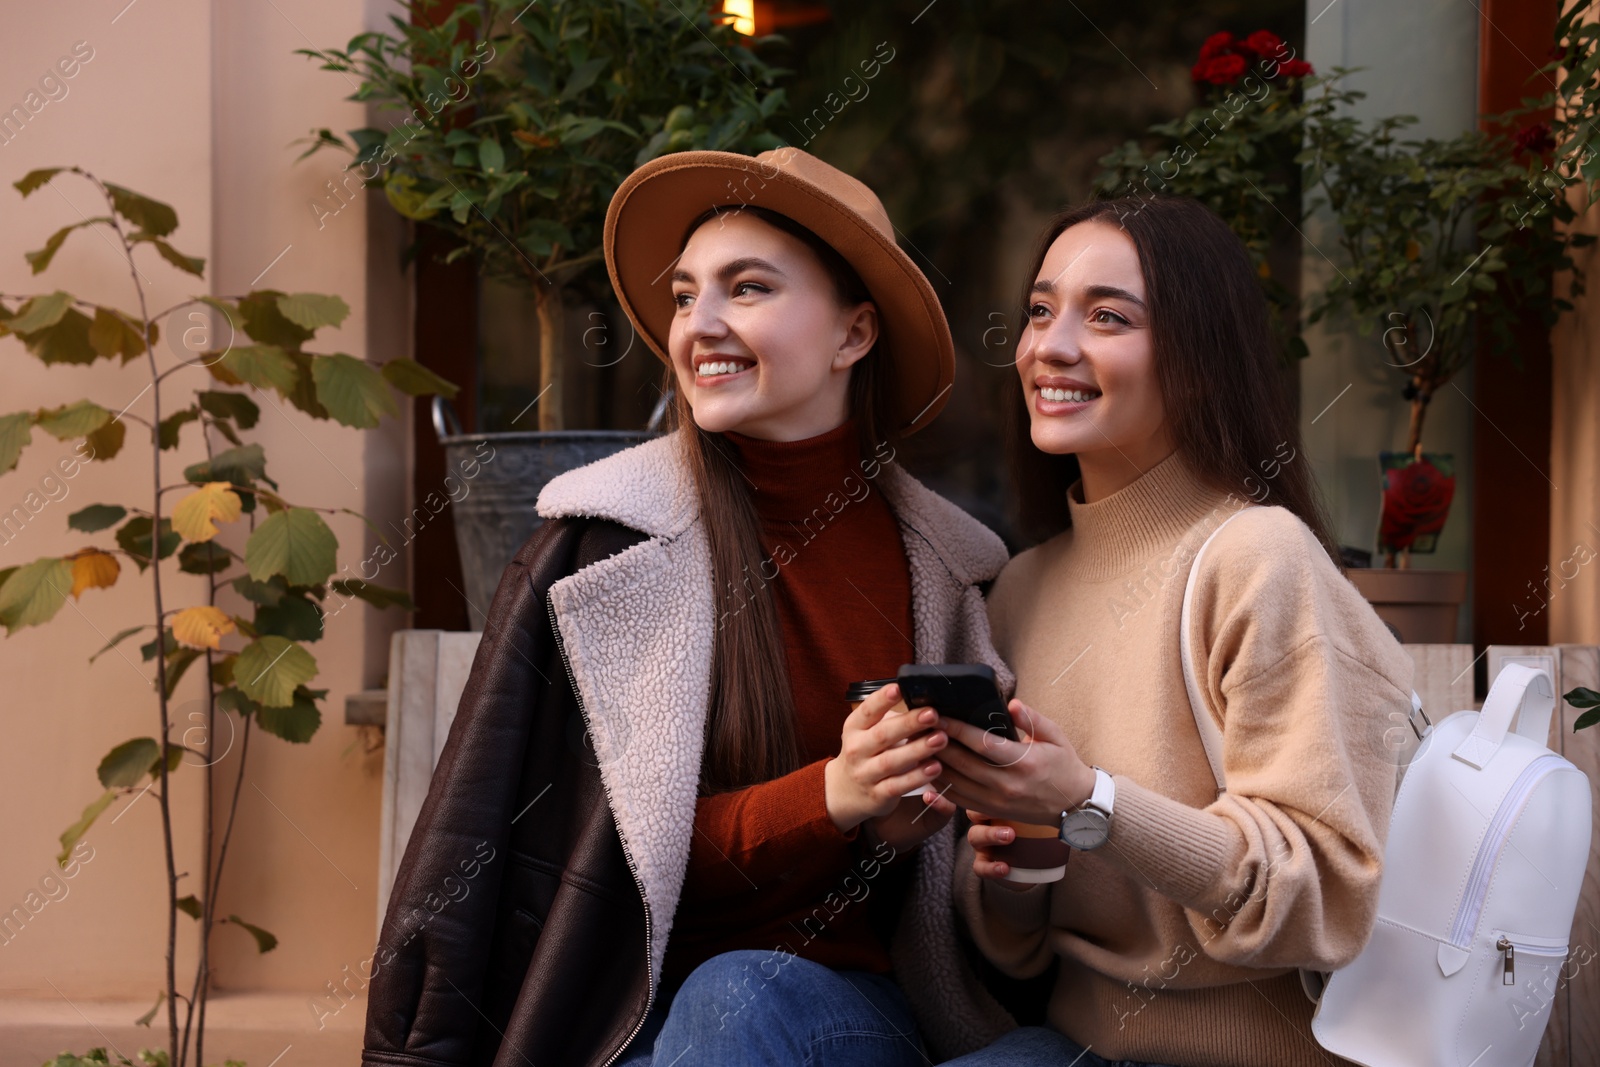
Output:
[[861, 690]]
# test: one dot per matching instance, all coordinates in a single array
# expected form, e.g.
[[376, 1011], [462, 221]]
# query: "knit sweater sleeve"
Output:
[[1010, 927], [1282, 869], [752, 836]]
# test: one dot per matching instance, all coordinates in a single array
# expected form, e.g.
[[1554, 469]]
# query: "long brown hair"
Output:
[[1221, 379], [750, 730]]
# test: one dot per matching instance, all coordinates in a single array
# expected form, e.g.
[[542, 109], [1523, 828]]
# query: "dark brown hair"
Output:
[[1221, 379], [750, 730]]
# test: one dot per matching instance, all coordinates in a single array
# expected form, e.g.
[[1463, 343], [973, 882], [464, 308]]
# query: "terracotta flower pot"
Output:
[[1422, 605]]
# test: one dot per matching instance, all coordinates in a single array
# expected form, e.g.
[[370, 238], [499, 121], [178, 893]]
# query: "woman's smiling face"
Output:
[[1086, 359], [761, 343]]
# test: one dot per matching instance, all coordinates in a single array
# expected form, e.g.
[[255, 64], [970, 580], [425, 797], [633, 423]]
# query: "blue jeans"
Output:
[[754, 1007], [1029, 1045]]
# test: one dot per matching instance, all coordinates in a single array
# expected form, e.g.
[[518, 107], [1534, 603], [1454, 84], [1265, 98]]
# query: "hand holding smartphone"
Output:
[[965, 691]]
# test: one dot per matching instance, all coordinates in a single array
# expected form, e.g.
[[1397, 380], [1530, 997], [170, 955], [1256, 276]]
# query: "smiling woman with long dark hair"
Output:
[[1153, 415], [748, 870]]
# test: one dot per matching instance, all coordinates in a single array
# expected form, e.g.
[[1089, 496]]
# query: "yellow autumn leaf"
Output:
[[197, 514], [201, 627], [94, 569]]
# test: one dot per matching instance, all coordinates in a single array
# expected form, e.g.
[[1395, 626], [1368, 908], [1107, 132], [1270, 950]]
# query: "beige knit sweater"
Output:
[[1179, 937]]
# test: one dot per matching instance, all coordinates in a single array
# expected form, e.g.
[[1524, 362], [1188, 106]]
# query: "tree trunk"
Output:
[[1419, 412], [551, 331]]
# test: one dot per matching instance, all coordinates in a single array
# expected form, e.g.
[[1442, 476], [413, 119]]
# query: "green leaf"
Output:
[[240, 466], [177, 664], [41, 311], [134, 539], [65, 342], [34, 593], [265, 942], [126, 765], [265, 322], [263, 366], [117, 640], [230, 699], [353, 392], [413, 379], [270, 668], [491, 157], [236, 406], [295, 543], [170, 426], [294, 617], [304, 396], [204, 557], [298, 722], [74, 833], [35, 179], [16, 433], [41, 259], [150, 216], [189, 906], [312, 311], [1586, 720], [195, 265], [96, 517], [266, 593], [168, 643], [144, 1020], [1582, 697], [106, 442], [77, 419], [376, 595], [112, 333]]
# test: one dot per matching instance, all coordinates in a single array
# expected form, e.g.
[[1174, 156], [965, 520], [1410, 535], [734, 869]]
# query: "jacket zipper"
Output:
[[1494, 839], [1508, 948], [650, 979]]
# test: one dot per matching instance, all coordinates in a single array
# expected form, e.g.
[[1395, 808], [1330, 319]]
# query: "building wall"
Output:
[[196, 104]]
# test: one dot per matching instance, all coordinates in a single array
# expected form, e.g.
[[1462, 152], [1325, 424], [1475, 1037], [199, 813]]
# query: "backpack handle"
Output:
[[1517, 689]]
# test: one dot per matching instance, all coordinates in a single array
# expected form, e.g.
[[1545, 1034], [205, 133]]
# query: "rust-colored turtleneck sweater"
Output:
[[765, 857]]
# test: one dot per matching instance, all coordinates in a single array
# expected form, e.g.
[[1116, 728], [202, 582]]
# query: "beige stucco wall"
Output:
[[193, 103]]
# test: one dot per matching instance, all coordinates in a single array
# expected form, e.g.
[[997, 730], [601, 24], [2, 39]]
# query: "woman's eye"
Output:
[[1038, 311], [682, 299], [746, 287], [1099, 316]]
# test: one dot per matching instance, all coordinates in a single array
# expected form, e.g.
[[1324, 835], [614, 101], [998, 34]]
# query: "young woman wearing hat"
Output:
[[1152, 409], [732, 875]]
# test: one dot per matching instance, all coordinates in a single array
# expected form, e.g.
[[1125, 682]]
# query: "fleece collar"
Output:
[[638, 629]]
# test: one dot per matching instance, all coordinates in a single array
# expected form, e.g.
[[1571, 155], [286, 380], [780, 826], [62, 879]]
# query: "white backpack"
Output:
[[1485, 858]]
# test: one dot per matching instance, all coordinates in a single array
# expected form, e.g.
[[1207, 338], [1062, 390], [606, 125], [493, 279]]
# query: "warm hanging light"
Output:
[[742, 14]]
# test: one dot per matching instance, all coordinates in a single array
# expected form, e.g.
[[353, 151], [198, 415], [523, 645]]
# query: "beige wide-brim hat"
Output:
[[652, 209]]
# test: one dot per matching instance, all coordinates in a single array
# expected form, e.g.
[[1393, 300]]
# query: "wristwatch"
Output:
[[1089, 824]]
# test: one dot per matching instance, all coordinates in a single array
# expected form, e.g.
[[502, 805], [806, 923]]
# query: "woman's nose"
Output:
[[705, 318], [1056, 342]]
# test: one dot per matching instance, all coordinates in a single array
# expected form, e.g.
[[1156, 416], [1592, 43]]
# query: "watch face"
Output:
[[1085, 829]]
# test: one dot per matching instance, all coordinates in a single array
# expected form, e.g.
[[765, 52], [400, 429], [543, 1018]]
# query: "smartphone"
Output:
[[965, 691]]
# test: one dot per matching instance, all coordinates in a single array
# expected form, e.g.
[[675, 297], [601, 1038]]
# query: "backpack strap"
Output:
[[1210, 732]]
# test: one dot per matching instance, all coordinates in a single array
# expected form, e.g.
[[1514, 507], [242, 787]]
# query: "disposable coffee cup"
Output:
[[1036, 854], [857, 692]]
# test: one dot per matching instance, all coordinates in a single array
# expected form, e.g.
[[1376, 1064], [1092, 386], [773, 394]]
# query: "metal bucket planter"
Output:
[[497, 515]]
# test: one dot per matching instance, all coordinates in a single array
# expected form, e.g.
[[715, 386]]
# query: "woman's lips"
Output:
[[1048, 400]]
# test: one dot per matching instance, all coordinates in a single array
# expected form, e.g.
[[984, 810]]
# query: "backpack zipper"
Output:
[[1494, 839], [1509, 948], [650, 979]]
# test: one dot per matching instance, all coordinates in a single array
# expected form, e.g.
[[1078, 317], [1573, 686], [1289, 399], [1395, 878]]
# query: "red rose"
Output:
[[1416, 502], [1263, 43], [1535, 138], [1219, 70], [1294, 68], [1216, 45]]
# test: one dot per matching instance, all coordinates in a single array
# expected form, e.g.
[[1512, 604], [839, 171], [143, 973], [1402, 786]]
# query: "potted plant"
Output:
[[267, 595], [509, 127]]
